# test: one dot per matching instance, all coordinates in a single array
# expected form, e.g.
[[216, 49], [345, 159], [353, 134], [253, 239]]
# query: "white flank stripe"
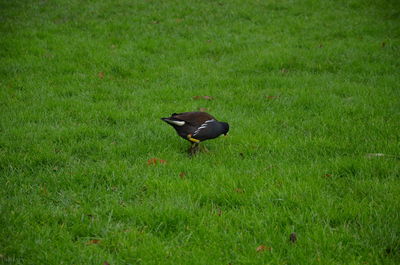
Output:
[[204, 125]]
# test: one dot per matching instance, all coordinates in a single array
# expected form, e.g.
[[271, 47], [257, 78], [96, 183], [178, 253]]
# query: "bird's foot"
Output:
[[194, 149]]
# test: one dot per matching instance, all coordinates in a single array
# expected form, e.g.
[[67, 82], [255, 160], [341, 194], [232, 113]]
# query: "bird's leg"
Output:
[[194, 149]]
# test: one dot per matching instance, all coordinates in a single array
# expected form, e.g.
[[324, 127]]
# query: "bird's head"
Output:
[[225, 128]]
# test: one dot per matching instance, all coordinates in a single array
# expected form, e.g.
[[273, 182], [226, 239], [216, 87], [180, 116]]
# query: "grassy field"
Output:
[[310, 90]]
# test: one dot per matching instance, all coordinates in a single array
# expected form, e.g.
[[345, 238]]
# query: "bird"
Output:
[[196, 127]]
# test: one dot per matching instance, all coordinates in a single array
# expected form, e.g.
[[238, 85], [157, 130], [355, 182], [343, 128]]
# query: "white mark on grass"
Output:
[[381, 155]]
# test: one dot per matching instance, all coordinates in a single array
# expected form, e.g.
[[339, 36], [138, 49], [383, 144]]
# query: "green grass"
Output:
[[310, 88]]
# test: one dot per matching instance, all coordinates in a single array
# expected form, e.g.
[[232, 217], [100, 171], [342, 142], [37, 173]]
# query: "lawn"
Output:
[[310, 171]]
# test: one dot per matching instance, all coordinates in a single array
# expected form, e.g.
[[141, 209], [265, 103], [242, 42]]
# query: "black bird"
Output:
[[196, 127]]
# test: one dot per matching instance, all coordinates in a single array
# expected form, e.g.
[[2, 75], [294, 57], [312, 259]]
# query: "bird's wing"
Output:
[[203, 127], [195, 118], [208, 130]]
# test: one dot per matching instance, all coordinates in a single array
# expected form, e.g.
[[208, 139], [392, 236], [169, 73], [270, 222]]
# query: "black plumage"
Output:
[[197, 127]]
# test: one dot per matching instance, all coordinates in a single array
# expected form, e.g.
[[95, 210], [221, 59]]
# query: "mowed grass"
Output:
[[311, 92]]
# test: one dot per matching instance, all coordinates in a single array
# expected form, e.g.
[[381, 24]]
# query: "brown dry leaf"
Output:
[[106, 263], [238, 190], [182, 175], [178, 20], [328, 175], [203, 97], [155, 22], [154, 161], [262, 248], [219, 212], [284, 70], [101, 75], [93, 241], [203, 109], [272, 97], [44, 190]]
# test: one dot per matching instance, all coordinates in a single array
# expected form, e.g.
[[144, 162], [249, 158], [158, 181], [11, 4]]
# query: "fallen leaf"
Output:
[[209, 41], [272, 97], [238, 190], [262, 248], [293, 237], [321, 46], [203, 109], [113, 46], [154, 161], [219, 212], [182, 175], [204, 97], [106, 263], [44, 190], [101, 75], [178, 20], [328, 175], [284, 70], [155, 22], [93, 241]]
